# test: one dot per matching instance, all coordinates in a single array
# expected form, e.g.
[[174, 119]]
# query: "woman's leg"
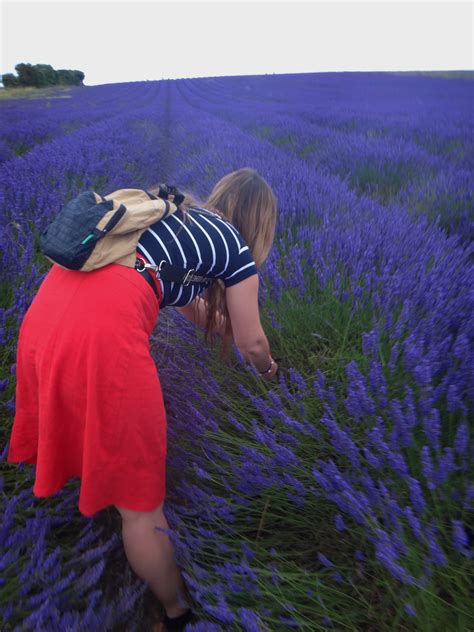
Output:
[[150, 553]]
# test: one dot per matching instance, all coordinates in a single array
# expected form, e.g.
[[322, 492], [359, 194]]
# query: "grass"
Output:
[[28, 92]]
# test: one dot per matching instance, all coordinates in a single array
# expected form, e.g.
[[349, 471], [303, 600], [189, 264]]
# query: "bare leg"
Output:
[[150, 553]]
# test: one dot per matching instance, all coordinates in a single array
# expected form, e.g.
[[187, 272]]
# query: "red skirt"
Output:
[[89, 402]]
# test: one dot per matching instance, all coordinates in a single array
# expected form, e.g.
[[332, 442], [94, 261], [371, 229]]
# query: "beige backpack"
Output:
[[92, 230]]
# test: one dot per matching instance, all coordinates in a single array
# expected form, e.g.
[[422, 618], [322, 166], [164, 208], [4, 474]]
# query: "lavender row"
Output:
[[102, 157], [27, 122], [397, 153], [383, 425]]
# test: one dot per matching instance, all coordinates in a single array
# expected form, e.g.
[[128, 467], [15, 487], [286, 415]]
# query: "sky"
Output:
[[114, 41]]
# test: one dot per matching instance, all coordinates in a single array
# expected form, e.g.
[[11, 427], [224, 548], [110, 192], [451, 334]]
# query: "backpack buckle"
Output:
[[187, 279], [140, 264]]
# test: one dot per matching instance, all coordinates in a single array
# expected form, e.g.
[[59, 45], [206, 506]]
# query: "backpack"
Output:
[[92, 230]]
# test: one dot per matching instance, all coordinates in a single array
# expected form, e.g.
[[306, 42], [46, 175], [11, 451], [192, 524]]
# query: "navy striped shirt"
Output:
[[206, 242]]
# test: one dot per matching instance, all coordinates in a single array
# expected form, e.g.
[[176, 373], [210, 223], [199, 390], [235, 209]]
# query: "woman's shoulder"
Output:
[[204, 211], [212, 215]]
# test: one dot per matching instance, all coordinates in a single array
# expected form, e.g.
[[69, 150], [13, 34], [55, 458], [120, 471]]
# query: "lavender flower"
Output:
[[462, 439]]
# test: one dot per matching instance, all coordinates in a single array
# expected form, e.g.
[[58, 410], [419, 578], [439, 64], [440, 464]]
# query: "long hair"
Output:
[[245, 199]]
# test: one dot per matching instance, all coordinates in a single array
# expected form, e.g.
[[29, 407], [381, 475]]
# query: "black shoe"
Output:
[[177, 624]]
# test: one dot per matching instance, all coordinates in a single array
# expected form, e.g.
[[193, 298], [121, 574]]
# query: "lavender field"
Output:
[[340, 497]]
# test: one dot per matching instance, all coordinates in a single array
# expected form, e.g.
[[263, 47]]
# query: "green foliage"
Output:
[[42, 75], [47, 76], [70, 77], [10, 81]]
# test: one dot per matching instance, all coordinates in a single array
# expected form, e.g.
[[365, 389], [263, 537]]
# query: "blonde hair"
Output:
[[245, 199]]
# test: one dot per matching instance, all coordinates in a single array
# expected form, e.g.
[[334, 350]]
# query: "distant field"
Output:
[[445, 74]]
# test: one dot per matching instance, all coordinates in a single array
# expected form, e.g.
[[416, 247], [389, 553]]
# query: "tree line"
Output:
[[41, 75]]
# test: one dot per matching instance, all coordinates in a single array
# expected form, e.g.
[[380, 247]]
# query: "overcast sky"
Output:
[[114, 41]]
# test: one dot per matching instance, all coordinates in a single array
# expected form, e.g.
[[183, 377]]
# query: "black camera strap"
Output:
[[169, 272]]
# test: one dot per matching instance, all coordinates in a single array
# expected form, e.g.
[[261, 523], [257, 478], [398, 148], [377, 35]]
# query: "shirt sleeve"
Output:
[[241, 263]]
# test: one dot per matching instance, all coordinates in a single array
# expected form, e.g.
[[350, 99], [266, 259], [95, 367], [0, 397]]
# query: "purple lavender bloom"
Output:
[[397, 463], [401, 436], [416, 495], [414, 523], [11, 406], [331, 395], [370, 342], [358, 403], [378, 383], [318, 385], [359, 555], [462, 438], [432, 427], [288, 621], [422, 373], [374, 460], [339, 522], [386, 554], [461, 346], [469, 497], [427, 466], [395, 352], [294, 482], [249, 620], [276, 399], [248, 552], [322, 480], [285, 456], [437, 553], [460, 539], [274, 321], [298, 379], [201, 473], [446, 465], [220, 612], [410, 411], [324, 560], [376, 433], [236, 423], [341, 440], [286, 437], [291, 423], [284, 388], [453, 399]]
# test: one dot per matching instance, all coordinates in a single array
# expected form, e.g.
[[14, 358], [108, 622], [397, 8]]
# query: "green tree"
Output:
[[47, 76], [41, 75], [79, 77], [70, 77], [27, 75], [10, 81]]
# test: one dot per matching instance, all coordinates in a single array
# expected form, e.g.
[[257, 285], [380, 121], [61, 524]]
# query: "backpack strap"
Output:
[[149, 279], [169, 272]]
